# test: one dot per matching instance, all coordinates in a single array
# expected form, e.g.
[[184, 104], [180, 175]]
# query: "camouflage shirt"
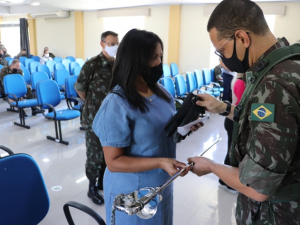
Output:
[[3, 62], [6, 71], [268, 150], [94, 79]]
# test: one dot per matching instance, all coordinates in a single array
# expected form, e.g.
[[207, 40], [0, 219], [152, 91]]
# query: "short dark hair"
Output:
[[106, 33], [232, 15], [134, 53], [24, 49], [15, 61]]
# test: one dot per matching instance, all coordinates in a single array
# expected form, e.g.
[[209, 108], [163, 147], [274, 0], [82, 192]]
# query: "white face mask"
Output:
[[47, 55], [111, 50]]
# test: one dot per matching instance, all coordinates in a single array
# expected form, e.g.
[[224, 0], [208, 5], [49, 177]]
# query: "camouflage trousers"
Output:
[[29, 94], [95, 162]]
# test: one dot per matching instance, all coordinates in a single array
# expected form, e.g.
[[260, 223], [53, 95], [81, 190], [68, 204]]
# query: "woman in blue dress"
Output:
[[130, 125]]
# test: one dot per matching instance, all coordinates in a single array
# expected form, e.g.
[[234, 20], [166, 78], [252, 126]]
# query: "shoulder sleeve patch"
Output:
[[262, 112]]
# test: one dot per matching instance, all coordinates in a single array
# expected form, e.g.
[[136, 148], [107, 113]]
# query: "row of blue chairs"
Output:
[[179, 87], [48, 96]]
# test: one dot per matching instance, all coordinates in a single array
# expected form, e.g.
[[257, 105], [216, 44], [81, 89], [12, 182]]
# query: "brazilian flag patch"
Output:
[[262, 112]]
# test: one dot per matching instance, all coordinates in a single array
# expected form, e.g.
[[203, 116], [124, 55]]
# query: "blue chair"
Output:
[[180, 85], [26, 62], [30, 56], [71, 58], [33, 66], [57, 59], [72, 66], [30, 204], [45, 69], [166, 70], [22, 59], [26, 75], [80, 61], [36, 58], [36, 77], [199, 83], [66, 63], [50, 101], [8, 58], [190, 82], [71, 92], [60, 77], [59, 66], [15, 88], [174, 69], [207, 80], [50, 65], [212, 75], [10, 62], [76, 71], [168, 83]]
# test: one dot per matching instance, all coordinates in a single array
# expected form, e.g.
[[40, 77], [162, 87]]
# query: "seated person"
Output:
[[50, 54], [15, 68], [23, 53], [5, 54], [46, 57], [3, 62]]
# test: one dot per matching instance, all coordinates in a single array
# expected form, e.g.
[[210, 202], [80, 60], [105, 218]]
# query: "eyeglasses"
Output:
[[218, 51], [111, 44]]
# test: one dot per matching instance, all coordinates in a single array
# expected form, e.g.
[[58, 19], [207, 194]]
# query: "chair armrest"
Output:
[[10, 152], [54, 111], [81, 103], [15, 99], [83, 208]]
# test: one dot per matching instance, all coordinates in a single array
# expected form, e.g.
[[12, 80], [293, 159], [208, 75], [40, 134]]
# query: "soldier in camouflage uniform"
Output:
[[15, 68], [92, 86], [265, 155], [3, 61]]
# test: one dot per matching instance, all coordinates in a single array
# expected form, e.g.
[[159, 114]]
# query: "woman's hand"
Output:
[[172, 166]]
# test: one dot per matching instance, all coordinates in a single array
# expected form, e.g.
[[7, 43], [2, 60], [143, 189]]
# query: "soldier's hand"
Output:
[[202, 165], [211, 104]]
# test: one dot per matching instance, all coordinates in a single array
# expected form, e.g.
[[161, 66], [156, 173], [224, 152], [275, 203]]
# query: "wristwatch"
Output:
[[228, 108]]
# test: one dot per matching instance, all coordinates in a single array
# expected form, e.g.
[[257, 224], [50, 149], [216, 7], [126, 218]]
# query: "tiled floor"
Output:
[[198, 200]]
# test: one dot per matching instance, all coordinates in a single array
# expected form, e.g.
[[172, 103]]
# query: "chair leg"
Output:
[[58, 134], [22, 119], [12, 109]]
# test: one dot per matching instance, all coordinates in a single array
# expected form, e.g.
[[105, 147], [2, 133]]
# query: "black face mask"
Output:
[[1, 55], [15, 70], [155, 73], [236, 65], [4, 52]]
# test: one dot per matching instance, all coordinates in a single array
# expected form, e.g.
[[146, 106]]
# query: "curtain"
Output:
[[24, 37]]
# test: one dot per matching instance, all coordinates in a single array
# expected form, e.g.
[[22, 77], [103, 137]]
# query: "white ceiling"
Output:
[[23, 6]]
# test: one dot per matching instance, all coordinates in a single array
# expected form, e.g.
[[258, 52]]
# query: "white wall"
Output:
[[195, 44], [194, 39], [57, 34], [157, 22]]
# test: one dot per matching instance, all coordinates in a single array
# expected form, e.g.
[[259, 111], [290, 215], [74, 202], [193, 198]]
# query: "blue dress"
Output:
[[117, 124]]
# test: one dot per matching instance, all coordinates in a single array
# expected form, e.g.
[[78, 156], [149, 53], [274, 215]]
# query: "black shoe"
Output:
[[95, 195], [36, 111]]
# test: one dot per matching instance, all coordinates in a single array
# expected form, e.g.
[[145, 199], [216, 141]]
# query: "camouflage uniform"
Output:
[[267, 153], [94, 79], [6, 71], [6, 55], [3, 62]]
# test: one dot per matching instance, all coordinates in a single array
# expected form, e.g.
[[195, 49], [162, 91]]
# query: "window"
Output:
[[10, 37], [214, 59], [121, 25]]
